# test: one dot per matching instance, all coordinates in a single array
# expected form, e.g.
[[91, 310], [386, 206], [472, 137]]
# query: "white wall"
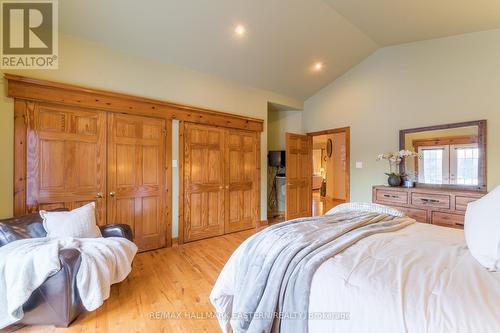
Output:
[[425, 83], [279, 123], [89, 64]]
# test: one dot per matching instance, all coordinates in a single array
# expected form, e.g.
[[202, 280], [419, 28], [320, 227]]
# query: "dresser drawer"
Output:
[[392, 197], [419, 215], [428, 200], [448, 220], [462, 202]]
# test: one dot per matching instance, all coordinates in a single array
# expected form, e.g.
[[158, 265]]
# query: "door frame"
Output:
[[347, 131]]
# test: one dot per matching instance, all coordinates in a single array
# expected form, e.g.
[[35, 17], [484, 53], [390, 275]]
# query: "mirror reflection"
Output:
[[448, 156]]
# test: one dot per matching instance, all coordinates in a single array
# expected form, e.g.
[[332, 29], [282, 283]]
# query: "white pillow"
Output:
[[78, 223], [365, 207], [482, 230]]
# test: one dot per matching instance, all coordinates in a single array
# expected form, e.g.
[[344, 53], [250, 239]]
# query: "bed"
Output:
[[418, 278]]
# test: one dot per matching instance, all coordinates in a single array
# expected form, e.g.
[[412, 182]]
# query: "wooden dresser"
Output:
[[427, 205]]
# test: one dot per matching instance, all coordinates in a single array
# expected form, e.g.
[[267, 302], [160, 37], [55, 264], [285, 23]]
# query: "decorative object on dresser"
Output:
[[428, 205], [395, 159]]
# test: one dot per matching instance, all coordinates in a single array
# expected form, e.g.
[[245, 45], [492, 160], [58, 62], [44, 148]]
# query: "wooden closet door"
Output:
[[203, 182], [65, 158], [298, 176], [136, 177], [242, 176]]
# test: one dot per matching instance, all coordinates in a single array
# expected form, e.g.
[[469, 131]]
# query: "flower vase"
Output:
[[394, 180]]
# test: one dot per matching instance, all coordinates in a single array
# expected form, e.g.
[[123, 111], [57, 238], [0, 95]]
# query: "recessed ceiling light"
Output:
[[318, 66], [239, 30]]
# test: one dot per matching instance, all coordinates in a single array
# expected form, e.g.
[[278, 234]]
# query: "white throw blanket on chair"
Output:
[[27, 263]]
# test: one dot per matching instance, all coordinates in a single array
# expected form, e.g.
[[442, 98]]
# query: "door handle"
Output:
[[430, 200], [99, 195], [112, 194]]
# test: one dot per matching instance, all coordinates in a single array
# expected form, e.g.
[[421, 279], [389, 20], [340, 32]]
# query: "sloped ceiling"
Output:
[[390, 22], [284, 37]]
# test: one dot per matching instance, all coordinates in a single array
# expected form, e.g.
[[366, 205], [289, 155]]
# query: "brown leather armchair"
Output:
[[56, 301]]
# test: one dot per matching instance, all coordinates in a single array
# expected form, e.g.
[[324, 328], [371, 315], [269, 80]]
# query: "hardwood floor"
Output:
[[174, 281], [321, 205]]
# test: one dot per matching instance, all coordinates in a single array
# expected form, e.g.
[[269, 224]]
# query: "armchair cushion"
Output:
[[117, 230], [26, 226]]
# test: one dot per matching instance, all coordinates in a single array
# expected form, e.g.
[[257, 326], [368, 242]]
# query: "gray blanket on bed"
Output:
[[274, 276]]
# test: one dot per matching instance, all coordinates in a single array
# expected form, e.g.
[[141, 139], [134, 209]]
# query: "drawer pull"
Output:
[[430, 201], [391, 196]]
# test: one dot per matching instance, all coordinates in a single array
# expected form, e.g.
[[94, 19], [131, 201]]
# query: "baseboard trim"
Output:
[[262, 223]]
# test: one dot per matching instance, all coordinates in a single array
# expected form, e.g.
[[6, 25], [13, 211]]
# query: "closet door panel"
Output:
[[241, 167], [204, 182], [136, 183], [66, 158]]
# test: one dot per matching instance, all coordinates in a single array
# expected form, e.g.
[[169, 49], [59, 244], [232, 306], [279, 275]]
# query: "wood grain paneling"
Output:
[[66, 158], [136, 181], [298, 176], [203, 182], [437, 206], [391, 197], [434, 200], [241, 183], [20, 143], [54, 92], [461, 203], [448, 220], [221, 187], [31, 93], [419, 215]]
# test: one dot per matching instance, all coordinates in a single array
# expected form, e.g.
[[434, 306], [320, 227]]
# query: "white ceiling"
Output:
[[390, 22], [284, 37]]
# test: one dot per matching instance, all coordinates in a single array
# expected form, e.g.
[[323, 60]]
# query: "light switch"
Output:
[[174, 163], [359, 165]]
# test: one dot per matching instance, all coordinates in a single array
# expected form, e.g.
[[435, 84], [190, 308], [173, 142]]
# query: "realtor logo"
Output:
[[29, 34]]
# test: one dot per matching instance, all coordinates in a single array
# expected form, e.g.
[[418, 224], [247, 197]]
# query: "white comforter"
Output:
[[26, 264], [419, 279]]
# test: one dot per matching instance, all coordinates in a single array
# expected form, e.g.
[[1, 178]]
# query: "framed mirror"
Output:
[[450, 156]]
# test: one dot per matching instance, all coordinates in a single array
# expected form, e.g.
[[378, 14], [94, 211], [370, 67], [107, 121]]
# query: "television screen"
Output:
[[276, 158]]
